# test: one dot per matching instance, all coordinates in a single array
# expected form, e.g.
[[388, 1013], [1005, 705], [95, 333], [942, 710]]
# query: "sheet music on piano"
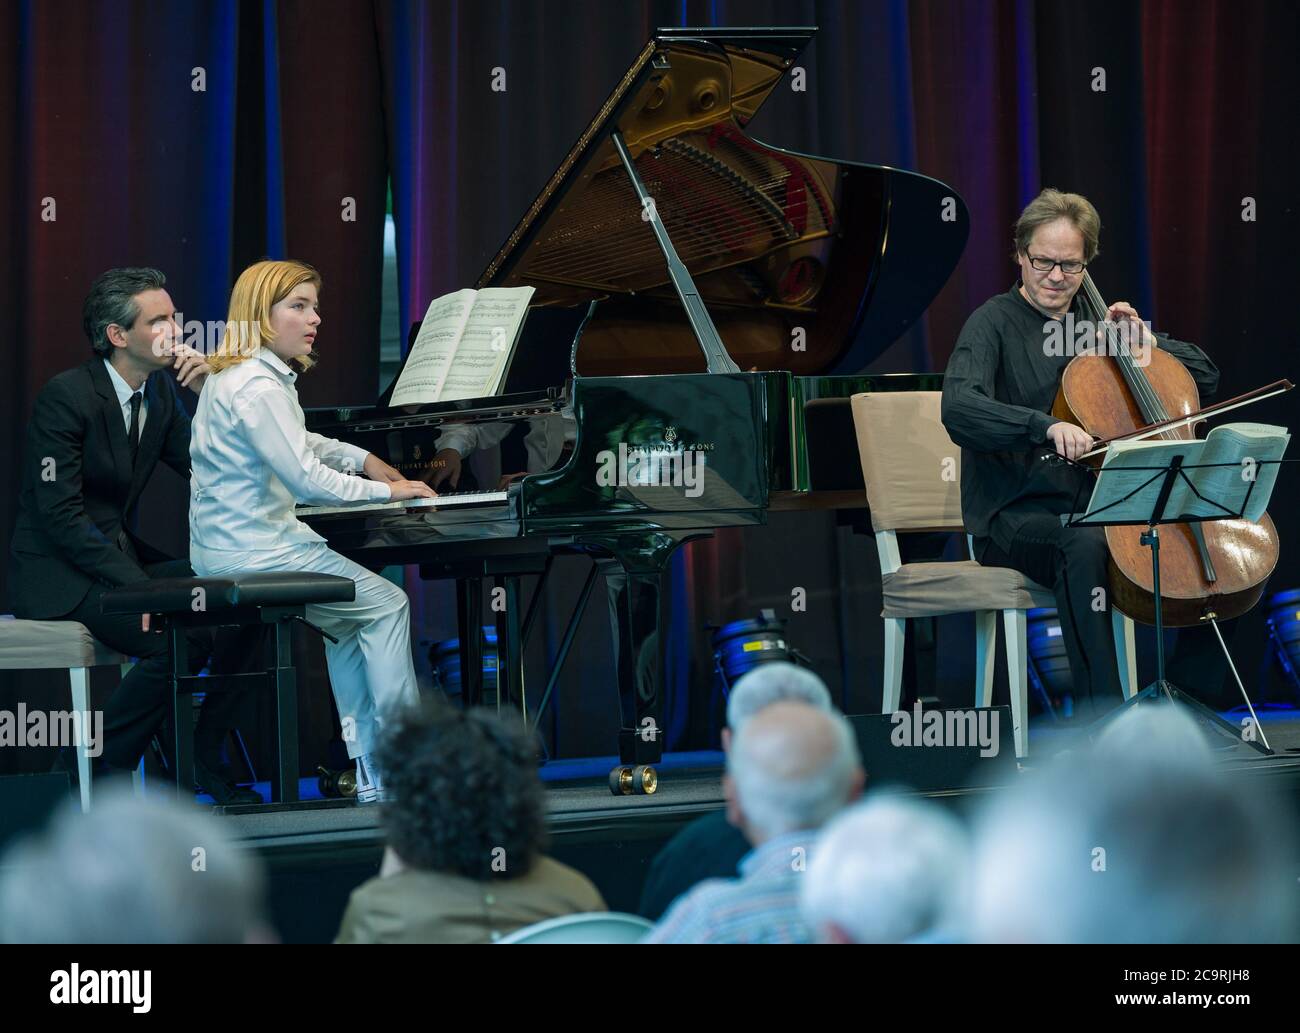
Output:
[[464, 346]]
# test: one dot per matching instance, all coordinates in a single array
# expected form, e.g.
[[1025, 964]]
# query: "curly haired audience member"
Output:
[[465, 828]]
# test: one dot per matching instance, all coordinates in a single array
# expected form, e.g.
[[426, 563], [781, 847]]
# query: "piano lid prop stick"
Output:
[[715, 352]]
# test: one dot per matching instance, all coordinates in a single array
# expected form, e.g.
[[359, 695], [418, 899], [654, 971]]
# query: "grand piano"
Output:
[[702, 302]]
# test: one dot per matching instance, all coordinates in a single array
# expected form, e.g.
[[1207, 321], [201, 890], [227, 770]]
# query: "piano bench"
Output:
[[261, 597]]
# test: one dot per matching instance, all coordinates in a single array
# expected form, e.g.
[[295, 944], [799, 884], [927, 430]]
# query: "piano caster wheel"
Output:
[[641, 780]]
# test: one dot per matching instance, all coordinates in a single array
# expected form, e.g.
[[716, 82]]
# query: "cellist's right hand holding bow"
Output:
[[1069, 440]]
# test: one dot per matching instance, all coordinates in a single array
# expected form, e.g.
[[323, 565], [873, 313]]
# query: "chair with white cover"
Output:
[[30, 645], [589, 927], [912, 472]]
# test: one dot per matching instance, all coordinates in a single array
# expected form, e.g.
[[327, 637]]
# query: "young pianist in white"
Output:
[[252, 459]]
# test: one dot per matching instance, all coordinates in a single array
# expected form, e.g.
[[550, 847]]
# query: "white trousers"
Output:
[[370, 667]]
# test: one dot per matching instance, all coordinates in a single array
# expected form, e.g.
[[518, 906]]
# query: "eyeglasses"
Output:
[[1045, 265]]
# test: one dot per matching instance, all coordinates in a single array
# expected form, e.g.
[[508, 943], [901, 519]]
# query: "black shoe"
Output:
[[222, 790], [65, 763]]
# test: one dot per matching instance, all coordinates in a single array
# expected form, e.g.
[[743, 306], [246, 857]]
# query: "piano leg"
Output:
[[469, 617], [510, 646], [634, 600], [634, 580]]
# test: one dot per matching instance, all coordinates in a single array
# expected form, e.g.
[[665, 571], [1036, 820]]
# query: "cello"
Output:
[[1214, 570]]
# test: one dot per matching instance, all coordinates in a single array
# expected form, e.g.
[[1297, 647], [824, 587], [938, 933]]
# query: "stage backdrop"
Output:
[[200, 137]]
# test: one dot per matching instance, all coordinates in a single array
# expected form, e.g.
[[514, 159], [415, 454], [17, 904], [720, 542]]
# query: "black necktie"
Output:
[[134, 433]]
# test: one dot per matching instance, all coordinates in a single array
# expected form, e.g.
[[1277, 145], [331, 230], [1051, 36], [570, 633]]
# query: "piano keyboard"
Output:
[[444, 501]]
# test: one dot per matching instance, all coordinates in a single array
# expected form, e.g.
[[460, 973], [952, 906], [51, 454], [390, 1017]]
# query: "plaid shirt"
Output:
[[762, 906]]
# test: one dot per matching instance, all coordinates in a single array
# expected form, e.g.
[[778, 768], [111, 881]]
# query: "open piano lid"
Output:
[[775, 241], [805, 264]]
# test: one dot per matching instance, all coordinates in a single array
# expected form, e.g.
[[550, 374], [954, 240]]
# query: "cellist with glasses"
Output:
[[999, 390]]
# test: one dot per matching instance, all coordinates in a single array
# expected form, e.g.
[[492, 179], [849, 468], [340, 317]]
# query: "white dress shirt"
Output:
[[252, 459], [124, 393]]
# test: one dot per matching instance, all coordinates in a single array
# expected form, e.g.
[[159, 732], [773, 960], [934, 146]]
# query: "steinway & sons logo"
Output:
[[674, 464]]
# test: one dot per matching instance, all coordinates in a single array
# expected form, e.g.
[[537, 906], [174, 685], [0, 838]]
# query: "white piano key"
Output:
[[471, 498]]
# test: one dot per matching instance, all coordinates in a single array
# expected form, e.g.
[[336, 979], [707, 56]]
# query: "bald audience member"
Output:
[[711, 847], [891, 869], [790, 768]]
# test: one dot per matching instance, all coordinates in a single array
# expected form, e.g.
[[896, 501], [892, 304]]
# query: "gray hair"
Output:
[[772, 683], [1174, 737], [776, 802], [1142, 840], [133, 870], [887, 870], [112, 301]]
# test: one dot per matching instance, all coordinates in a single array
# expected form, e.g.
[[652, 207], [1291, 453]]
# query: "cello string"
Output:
[[1133, 374], [1133, 377], [1137, 380]]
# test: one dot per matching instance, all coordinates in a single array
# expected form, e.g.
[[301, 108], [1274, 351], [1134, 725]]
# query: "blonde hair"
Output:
[[1051, 205], [248, 322]]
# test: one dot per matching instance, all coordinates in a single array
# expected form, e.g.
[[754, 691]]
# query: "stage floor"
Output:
[[573, 809], [1280, 726]]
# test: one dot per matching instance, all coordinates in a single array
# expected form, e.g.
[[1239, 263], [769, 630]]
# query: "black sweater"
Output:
[[998, 392]]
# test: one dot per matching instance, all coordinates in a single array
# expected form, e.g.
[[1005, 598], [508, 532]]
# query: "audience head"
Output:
[[791, 766], [463, 793], [1140, 839], [887, 870], [1166, 737], [771, 683], [133, 870]]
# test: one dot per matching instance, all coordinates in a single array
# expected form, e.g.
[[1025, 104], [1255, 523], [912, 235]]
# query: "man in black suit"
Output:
[[95, 436]]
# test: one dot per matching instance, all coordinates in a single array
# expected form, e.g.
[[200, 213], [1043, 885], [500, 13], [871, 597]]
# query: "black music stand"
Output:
[[1161, 484]]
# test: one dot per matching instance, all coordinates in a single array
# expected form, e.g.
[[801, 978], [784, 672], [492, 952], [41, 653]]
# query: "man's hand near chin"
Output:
[[191, 368]]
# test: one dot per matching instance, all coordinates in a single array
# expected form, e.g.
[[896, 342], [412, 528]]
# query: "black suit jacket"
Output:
[[78, 492]]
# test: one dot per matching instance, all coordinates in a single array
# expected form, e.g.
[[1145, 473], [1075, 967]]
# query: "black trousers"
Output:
[[1071, 561], [140, 705]]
